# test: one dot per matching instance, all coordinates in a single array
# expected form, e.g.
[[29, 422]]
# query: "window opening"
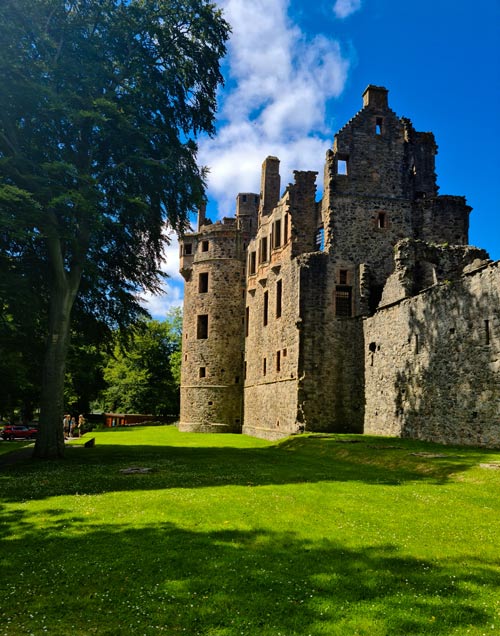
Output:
[[203, 372], [204, 246], [342, 164], [285, 229], [188, 249], [202, 327], [278, 361], [245, 368], [343, 277], [378, 125], [343, 300], [381, 220], [320, 239], [487, 332], [266, 307], [277, 234], [253, 263], [247, 320], [264, 366], [263, 250], [203, 283], [279, 293], [244, 198]]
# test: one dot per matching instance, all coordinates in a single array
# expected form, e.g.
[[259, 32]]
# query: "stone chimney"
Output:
[[269, 185], [202, 211], [375, 97]]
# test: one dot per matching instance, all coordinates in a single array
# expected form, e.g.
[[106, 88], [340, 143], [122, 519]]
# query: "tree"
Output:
[[100, 103], [141, 377]]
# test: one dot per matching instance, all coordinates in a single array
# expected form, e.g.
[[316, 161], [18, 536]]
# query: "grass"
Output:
[[230, 535]]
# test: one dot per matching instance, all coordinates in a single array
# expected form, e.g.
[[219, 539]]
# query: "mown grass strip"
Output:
[[229, 535]]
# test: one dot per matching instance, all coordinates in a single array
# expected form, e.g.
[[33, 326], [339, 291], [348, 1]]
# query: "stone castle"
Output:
[[365, 311]]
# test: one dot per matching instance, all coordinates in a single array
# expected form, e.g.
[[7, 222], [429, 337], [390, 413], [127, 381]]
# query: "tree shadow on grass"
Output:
[[293, 461], [114, 581]]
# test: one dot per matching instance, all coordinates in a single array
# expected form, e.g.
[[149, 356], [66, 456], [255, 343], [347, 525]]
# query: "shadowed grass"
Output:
[[230, 535]]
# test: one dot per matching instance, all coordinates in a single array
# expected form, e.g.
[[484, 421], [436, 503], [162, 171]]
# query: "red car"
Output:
[[18, 432]]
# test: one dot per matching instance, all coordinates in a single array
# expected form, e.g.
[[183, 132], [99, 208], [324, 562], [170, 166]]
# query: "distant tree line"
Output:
[[133, 370]]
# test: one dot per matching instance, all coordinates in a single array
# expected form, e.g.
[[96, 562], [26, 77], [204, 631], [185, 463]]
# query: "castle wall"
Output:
[[432, 363], [272, 349], [331, 361]]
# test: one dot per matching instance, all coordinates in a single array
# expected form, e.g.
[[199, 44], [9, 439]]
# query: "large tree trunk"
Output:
[[50, 440]]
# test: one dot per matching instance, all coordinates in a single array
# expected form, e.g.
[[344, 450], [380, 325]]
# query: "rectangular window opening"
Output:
[[378, 125], [266, 307], [320, 239], [279, 293], [202, 327], [381, 220], [203, 283], [188, 249], [263, 250], [253, 263], [247, 321], [285, 229], [277, 234], [203, 372], [343, 277], [342, 164], [343, 300], [278, 361], [204, 246], [264, 366]]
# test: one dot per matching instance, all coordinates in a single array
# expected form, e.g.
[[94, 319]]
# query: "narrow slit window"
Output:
[[285, 229], [266, 308], [381, 220], [487, 332], [247, 321], [378, 125], [279, 293], [204, 246], [202, 327], [278, 361], [203, 283], [343, 277], [264, 366]]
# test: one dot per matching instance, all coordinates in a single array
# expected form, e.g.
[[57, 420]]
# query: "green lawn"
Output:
[[230, 536]]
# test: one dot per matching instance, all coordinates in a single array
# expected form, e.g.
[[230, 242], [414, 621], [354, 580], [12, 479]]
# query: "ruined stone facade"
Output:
[[365, 311]]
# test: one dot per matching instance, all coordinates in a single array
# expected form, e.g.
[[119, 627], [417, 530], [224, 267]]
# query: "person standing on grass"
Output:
[[72, 426], [66, 422], [81, 423]]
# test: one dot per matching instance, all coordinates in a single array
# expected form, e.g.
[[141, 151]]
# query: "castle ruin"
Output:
[[366, 311]]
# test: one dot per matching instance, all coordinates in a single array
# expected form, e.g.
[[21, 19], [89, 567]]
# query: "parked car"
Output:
[[18, 432]]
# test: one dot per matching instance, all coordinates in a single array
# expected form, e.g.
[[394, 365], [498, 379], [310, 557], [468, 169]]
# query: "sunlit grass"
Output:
[[229, 535]]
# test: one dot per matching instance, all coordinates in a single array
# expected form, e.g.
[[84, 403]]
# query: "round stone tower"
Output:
[[213, 266]]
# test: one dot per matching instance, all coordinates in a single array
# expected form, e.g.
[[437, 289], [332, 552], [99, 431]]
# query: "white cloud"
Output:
[[282, 81], [344, 8]]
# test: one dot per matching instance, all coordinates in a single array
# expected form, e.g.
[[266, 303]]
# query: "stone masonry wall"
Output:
[[331, 358], [432, 363], [212, 344]]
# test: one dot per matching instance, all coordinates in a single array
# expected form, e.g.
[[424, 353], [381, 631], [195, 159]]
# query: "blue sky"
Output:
[[295, 72]]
